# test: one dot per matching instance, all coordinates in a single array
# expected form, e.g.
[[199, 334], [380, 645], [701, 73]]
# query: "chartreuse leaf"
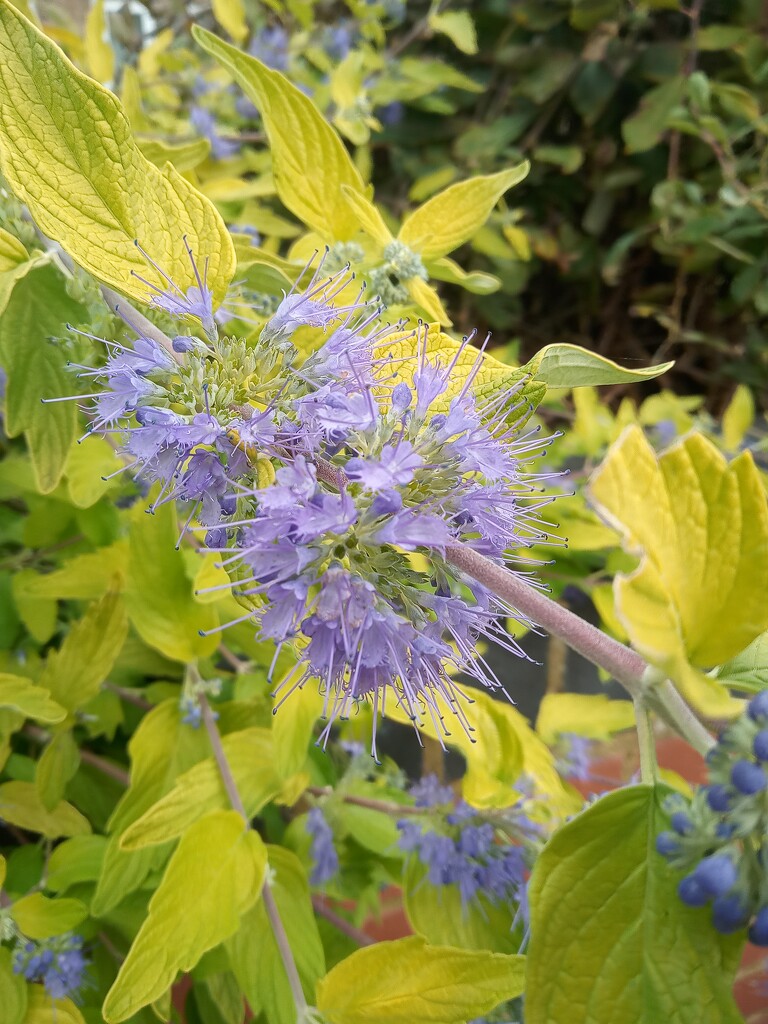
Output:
[[738, 417], [40, 917], [450, 218], [184, 156], [67, 151], [458, 26], [591, 715], [159, 596], [12, 251], [610, 939], [475, 281], [570, 366], [85, 468], [42, 1009], [57, 764], [749, 669], [81, 578], [13, 990], [100, 55], [492, 377], [697, 598], [74, 673], [230, 14], [75, 860], [252, 951], [161, 748], [214, 877], [32, 701], [440, 916], [367, 213], [405, 981], [36, 312], [309, 160], [292, 729], [21, 806], [251, 758]]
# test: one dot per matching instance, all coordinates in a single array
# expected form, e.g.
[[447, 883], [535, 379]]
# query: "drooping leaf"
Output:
[[451, 217], [570, 366], [407, 981], [213, 878], [159, 595], [74, 673], [40, 917], [21, 806], [309, 160], [254, 955], [67, 151], [30, 700], [697, 598], [610, 939]]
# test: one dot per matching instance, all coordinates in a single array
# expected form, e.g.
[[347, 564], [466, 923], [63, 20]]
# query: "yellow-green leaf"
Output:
[[292, 729], [591, 715], [476, 281], [13, 990], [20, 805], [40, 917], [83, 577], [570, 366], [405, 981], [159, 595], [74, 673], [86, 466], [309, 160], [74, 861], [98, 51], [697, 598], [212, 879], [251, 758], [184, 156], [451, 217], [42, 1009], [368, 216], [22, 695], [57, 764], [458, 26], [426, 298], [12, 251], [230, 14], [738, 417], [67, 151]]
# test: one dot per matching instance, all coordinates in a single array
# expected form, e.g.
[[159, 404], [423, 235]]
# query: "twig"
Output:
[[384, 806], [129, 696], [270, 906], [120, 306], [341, 923], [673, 161], [38, 735]]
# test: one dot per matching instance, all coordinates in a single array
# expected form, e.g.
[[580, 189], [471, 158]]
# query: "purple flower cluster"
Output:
[[325, 859], [317, 480], [59, 963], [721, 837], [460, 849]]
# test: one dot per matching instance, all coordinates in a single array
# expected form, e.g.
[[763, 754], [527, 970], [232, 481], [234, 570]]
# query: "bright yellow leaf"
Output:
[[230, 14], [12, 251], [100, 55], [591, 715]]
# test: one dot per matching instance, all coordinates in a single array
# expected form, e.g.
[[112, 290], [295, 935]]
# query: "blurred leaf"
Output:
[[57, 764], [98, 51], [184, 156], [81, 578], [40, 917], [458, 26], [21, 806], [12, 251], [96, 208], [212, 879], [407, 980], [644, 129], [13, 990], [608, 930], [230, 14], [738, 418], [42, 1009], [701, 528], [31, 701], [591, 715], [74, 861]]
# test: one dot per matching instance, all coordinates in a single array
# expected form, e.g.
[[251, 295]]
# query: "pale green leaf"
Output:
[[67, 151], [212, 879], [38, 310], [309, 161], [748, 670], [645, 128], [570, 366], [99, 53], [451, 217], [20, 805], [22, 695], [57, 764], [700, 525], [230, 14], [254, 956], [407, 981], [251, 758], [591, 715], [13, 990], [74, 861], [458, 26], [40, 917], [159, 595], [610, 939], [476, 281], [74, 673]]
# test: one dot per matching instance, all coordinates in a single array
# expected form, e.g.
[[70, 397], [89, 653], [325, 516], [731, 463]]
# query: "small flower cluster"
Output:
[[461, 849], [325, 859], [721, 836], [315, 480], [59, 963]]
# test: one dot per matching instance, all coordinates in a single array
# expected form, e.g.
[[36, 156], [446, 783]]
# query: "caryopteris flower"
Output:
[[319, 480], [59, 963]]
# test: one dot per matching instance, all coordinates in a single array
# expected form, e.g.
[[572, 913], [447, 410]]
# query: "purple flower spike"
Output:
[[324, 856]]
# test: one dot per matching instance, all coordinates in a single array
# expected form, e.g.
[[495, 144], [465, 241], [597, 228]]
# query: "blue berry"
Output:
[[716, 875], [724, 829], [730, 913], [681, 823], [718, 798], [758, 933], [748, 777], [758, 706], [760, 745], [666, 844], [691, 893]]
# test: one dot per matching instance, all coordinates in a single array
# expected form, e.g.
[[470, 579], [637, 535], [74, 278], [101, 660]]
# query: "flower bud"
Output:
[[716, 875], [748, 777]]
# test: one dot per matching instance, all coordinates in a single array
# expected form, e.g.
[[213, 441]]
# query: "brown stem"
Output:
[[341, 923]]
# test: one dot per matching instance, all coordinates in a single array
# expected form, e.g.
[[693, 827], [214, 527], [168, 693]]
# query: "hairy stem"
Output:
[[270, 906], [128, 313], [646, 743]]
